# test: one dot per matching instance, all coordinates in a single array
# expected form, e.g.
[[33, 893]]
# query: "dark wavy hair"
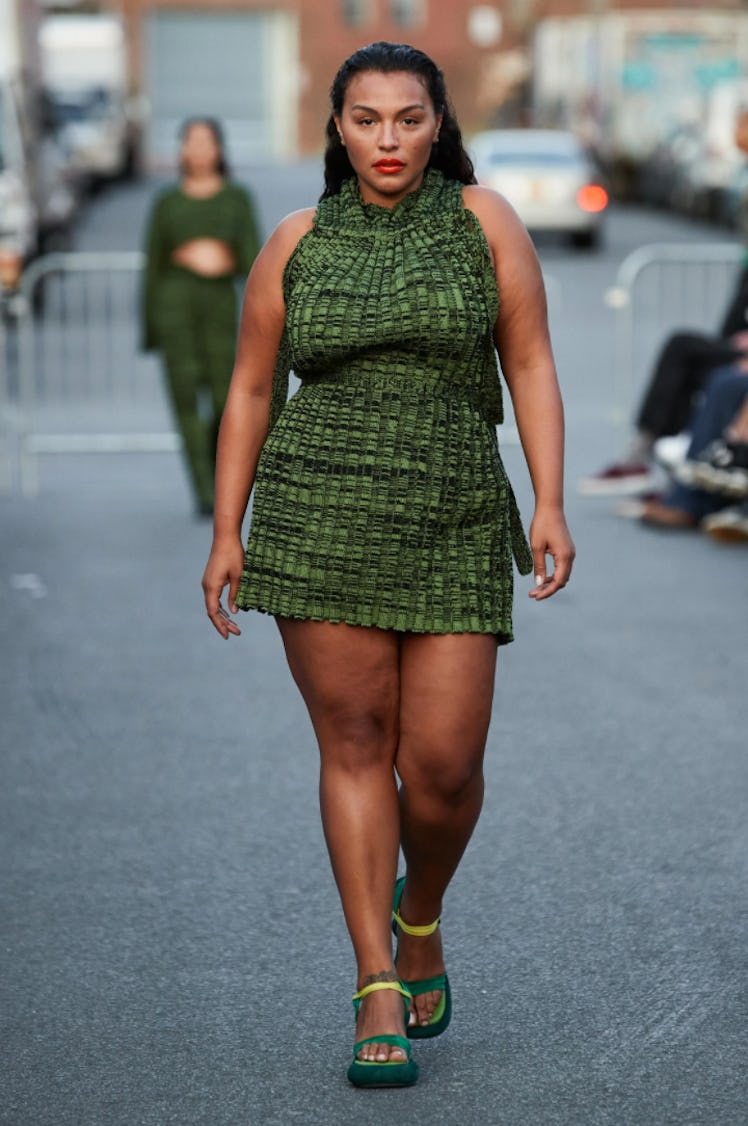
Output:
[[216, 129], [447, 154]]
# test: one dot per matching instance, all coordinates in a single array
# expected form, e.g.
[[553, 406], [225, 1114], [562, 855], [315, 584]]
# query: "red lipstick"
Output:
[[389, 165]]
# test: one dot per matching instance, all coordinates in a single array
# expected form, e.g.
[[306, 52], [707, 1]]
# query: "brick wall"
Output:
[[325, 41], [479, 77]]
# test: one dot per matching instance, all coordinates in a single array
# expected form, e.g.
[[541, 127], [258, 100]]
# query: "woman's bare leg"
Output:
[[446, 692], [349, 679]]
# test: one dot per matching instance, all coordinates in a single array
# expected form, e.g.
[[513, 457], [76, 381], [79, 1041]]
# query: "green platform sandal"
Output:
[[375, 1073], [442, 1014]]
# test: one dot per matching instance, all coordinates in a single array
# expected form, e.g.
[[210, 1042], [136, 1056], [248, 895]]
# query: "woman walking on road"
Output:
[[383, 524], [202, 234]]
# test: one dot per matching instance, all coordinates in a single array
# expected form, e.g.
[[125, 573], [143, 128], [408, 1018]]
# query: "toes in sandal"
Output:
[[379, 1073], [442, 1014]]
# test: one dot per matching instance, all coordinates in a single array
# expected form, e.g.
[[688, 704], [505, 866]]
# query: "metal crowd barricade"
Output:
[[83, 385], [78, 383], [662, 288]]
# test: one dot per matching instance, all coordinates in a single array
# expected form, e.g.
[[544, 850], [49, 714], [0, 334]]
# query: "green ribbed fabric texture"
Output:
[[380, 497]]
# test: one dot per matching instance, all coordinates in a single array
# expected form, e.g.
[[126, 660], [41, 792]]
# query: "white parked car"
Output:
[[548, 177], [96, 131], [85, 73], [38, 196]]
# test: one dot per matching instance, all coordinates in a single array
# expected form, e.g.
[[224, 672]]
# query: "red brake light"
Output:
[[592, 197]]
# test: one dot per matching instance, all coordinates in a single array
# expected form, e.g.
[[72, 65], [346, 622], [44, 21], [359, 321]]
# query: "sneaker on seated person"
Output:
[[623, 478], [672, 450], [721, 468]]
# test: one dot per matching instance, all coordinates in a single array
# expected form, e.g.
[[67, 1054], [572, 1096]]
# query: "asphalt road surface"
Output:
[[172, 947]]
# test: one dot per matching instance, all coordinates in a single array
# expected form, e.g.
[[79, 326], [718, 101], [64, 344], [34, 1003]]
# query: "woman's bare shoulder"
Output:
[[291, 230], [513, 255], [494, 212], [512, 251], [271, 261]]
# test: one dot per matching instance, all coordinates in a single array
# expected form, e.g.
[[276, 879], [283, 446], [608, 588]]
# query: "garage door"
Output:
[[240, 67]]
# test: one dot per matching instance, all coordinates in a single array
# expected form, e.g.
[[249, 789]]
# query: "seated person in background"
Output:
[[718, 454], [681, 372]]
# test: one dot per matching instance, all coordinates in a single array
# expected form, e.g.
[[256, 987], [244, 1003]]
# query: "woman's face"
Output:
[[200, 152], [388, 125]]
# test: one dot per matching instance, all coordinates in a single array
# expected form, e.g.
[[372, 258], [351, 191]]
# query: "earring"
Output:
[[341, 139]]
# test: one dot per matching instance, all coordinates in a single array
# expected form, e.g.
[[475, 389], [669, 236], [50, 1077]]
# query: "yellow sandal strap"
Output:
[[416, 932], [372, 988]]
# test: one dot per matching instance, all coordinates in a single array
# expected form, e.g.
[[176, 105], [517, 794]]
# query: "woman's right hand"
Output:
[[224, 568]]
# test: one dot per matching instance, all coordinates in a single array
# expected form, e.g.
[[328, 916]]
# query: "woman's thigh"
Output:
[[446, 694], [349, 679]]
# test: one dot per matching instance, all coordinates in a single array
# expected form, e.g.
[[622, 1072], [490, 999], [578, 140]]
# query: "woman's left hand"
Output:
[[224, 568], [549, 535]]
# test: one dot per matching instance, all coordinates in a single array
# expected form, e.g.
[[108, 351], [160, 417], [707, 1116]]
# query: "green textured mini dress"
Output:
[[380, 498]]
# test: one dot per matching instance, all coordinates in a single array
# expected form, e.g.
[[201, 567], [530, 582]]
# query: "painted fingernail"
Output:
[[538, 580]]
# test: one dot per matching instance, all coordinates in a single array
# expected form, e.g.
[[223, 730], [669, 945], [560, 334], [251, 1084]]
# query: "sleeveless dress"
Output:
[[380, 498]]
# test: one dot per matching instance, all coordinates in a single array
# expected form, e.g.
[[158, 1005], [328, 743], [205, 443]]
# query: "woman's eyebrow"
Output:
[[405, 109]]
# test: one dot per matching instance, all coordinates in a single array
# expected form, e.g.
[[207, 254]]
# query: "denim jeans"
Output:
[[724, 395]]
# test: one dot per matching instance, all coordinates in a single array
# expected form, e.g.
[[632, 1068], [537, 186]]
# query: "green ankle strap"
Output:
[[416, 932]]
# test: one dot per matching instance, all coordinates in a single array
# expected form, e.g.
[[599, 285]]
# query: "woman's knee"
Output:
[[355, 740], [449, 773], [354, 728]]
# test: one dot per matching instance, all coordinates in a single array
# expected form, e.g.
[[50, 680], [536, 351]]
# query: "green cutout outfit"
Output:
[[192, 320], [380, 497]]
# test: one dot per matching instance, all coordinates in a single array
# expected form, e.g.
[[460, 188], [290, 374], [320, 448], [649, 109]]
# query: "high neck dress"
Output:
[[380, 498]]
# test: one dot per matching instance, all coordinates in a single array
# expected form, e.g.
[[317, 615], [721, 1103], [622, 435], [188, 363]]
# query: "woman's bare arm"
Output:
[[245, 420], [524, 347]]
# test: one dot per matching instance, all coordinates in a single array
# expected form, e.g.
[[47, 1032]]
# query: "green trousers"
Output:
[[196, 323]]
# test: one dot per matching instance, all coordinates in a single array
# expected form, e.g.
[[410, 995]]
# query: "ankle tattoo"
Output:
[[384, 975]]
